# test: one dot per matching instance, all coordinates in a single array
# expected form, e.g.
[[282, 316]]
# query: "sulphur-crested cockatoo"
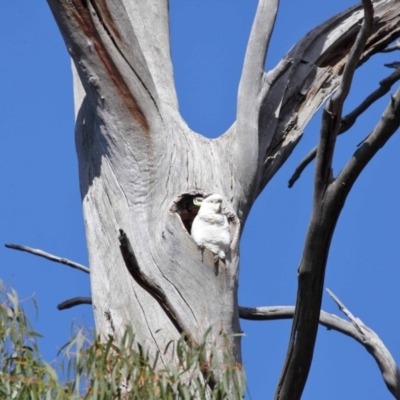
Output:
[[210, 229]]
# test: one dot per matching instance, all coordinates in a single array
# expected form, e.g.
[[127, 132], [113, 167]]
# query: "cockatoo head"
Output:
[[211, 204]]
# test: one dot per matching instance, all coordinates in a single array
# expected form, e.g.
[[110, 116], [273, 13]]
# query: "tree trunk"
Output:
[[140, 166]]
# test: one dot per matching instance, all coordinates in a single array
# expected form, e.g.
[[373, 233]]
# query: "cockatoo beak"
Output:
[[197, 201]]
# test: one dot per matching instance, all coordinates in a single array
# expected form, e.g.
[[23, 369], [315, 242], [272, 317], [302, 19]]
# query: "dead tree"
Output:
[[141, 166]]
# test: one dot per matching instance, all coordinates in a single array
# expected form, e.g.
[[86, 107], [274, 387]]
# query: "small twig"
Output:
[[394, 64], [341, 306], [302, 166], [76, 301], [374, 345], [392, 47], [49, 256]]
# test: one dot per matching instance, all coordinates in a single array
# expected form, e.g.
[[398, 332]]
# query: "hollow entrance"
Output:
[[184, 207]]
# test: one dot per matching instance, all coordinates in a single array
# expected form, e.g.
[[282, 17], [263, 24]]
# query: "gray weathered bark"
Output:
[[140, 165]]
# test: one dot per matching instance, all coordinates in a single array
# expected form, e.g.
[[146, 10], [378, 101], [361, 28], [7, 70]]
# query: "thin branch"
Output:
[[384, 86], [327, 320], [249, 102], [76, 301], [349, 120], [253, 67], [325, 213], [355, 329], [386, 127], [49, 256], [394, 64], [393, 47], [374, 345], [341, 306], [302, 166]]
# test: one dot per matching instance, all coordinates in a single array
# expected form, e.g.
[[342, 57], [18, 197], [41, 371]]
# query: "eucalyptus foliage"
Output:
[[90, 368]]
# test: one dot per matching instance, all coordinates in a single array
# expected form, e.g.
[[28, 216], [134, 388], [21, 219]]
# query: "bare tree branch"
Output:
[[384, 86], [349, 120], [354, 329], [393, 47], [323, 220], [253, 67], [394, 64], [49, 256], [249, 102], [76, 301], [270, 313], [317, 59], [386, 127], [302, 166], [374, 345]]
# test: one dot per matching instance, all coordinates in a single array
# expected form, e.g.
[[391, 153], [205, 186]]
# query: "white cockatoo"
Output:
[[210, 229]]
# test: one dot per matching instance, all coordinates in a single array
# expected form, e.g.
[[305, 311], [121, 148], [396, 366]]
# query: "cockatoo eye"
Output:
[[197, 201]]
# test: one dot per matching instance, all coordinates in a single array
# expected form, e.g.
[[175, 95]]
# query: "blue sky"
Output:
[[41, 206]]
